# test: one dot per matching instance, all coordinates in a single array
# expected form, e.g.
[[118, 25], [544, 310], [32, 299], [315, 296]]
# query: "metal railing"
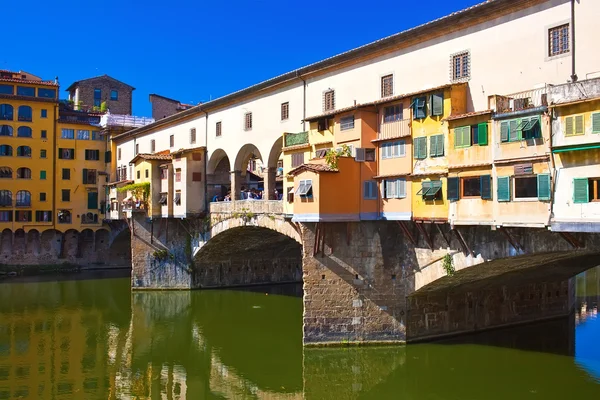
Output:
[[394, 129], [295, 139], [523, 100]]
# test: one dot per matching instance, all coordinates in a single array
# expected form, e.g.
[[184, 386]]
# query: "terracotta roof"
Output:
[[147, 156], [482, 164], [524, 159], [296, 147], [467, 115], [184, 151], [27, 82], [391, 138], [427, 173], [118, 182], [312, 167], [392, 175]]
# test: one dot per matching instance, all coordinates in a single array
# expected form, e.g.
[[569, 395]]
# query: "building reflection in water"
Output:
[[94, 339]]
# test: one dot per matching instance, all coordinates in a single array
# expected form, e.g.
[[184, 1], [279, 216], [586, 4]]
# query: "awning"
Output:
[[576, 148], [177, 199], [163, 199], [291, 190], [304, 188]]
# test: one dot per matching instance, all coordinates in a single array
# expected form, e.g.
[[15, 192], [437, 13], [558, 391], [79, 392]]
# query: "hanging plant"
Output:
[[331, 157], [448, 264]]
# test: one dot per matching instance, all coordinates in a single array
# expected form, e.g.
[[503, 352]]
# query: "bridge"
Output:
[[375, 281]]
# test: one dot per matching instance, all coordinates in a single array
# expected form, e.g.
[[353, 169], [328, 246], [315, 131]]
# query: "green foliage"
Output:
[[244, 214], [162, 255], [448, 264], [103, 106], [140, 190], [331, 157]]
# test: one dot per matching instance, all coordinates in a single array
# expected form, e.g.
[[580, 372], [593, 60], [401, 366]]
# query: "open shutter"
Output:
[[513, 134], [543, 181], [453, 189], [504, 131], [440, 145], [569, 126], [596, 122], [84, 175], [581, 190], [579, 126], [92, 200], [423, 149], [482, 135], [360, 154], [437, 104], [432, 146], [504, 188], [400, 188], [485, 183], [458, 137]]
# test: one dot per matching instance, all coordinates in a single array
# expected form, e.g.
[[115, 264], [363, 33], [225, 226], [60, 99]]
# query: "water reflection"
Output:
[[94, 339]]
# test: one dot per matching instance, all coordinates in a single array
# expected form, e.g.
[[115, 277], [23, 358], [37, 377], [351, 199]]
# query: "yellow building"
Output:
[[28, 111]]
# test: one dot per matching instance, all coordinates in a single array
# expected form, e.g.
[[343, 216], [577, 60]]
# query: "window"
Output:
[[163, 199], [436, 145], [92, 155], [7, 89], [466, 136], [172, 140], [347, 123], [66, 195], [24, 131], [22, 216], [92, 200], [42, 153], [44, 134], [137, 149], [248, 121], [193, 136], [25, 113], [5, 173], [147, 173], [431, 190], [461, 66], [23, 198], [558, 40], [66, 174], [152, 146], [164, 173], [526, 187], [83, 134], [177, 198], [178, 175], [42, 196], [5, 198], [305, 189], [387, 85], [370, 190], [114, 95], [596, 122], [285, 111], [5, 216], [42, 174], [393, 113], [43, 216], [23, 151], [470, 187], [66, 154], [218, 129], [139, 174], [394, 188], [25, 91], [419, 107], [369, 154], [119, 154], [520, 129], [574, 125], [329, 100], [47, 93], [6, 112], [96, 135], [297, 159], [67, 134], [89, 176], [6, 150], [393, 149], [586, 190], [97, 97], [43, 113], [23, 173], [6, 130], [436, 104], [64, 216], [420, 148], [196, 176]]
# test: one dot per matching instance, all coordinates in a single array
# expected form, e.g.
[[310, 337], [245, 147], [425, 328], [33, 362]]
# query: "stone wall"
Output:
[[163, 107], [121, 106]]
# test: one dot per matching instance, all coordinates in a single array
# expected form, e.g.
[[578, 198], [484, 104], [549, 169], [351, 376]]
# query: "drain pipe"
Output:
[[573, 74]]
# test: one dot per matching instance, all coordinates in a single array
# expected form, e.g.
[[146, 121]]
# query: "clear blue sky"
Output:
[[194, 50]]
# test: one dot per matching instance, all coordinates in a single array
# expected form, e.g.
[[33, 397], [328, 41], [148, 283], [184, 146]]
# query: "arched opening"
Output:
[[6, 173], [119, 249], [86, 242], [6, 241], [5, 149], [71, 245], [25, 113], [50, 242], [23, 151], [33, 242], [218, 176], [273, 174], [6, 112], [20, 241], [248, 184]]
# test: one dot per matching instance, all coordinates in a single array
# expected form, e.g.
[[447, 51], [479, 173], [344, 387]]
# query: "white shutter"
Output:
[[401, 188], [401, 148], [360, 155], [390, 189]]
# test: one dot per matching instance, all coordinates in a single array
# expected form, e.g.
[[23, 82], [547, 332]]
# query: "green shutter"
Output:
[[596, 122], [579, 128], [503, 188], [42, 174], [504, 131], [420, 150], [107, 156], [513, 134], [432, 146], [440, 145], [569, 126], [543, 181], [482, 138], [92, 200], [458, 137], [580, 190], [416, 148], [84, 175], [453, 189], [437, 104], [485, 184]]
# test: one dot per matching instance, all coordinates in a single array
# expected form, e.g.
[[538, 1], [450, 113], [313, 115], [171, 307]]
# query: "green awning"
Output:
[[576, 148]]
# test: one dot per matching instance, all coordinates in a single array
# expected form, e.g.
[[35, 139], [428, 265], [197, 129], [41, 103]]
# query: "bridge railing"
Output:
[[253, 206]]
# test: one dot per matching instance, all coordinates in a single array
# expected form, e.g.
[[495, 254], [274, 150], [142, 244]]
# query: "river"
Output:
[[87, 336]]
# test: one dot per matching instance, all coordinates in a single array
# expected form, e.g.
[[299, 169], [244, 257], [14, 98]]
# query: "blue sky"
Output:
[[194, 50]]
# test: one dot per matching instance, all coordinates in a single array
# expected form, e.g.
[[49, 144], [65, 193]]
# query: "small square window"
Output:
[[558, 40], [114, 95], [218, 129], [347, 122], [42, 174], [285, 111], [42, 196], [44, 134], [461, 66], [387, 85], [44, 113], [526, 187], [42, 153], [66, 195], [66, 174], [248, 121]]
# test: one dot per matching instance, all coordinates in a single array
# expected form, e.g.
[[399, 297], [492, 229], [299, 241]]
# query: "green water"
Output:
[[93, 339]]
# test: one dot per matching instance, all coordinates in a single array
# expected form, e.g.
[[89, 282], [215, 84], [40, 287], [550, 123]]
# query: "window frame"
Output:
[[218, 129], [387, 85], [248, 121], [514, 188], [549, 53], [329, 100], [192, 135], [370, 190], [347, 122], [462, 187], [285, 111], [114, 95], [464, 68]]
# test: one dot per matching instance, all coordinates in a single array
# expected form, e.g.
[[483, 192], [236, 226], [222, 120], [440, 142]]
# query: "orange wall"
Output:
[[400, 165], [468, 210], [341, 192], [307, 205]]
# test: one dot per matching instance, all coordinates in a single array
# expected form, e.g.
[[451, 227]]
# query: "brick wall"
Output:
[[121, 106], [162, 107]]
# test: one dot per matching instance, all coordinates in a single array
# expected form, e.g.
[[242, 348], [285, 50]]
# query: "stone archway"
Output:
[[71, 244], [19, 242], [50, 242], [241, 178], [273, 176], [6, 242], [33, 242], [218, 175]]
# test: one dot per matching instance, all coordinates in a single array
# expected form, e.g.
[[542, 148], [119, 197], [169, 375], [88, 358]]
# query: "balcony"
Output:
[[80, 119], [295, 139], [528, 100], [250, 206], [394, 129]]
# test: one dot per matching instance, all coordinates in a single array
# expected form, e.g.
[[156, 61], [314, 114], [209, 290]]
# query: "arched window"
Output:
[[24, 131], [5, 150], [25, 113], [64, 216], [23, 151], [6, 130], [5, 198], [23, 173], [6, 112], [5, 173], [23, 198]]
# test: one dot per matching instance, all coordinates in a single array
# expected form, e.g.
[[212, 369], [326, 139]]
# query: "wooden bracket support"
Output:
[[513, 242], [424, 233], [442, 234], [466, 249], [407, 232], [317, 237], [572, 240]]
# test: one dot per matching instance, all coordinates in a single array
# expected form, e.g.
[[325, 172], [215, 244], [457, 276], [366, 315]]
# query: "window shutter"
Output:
[[107, 156], [504, 131], [485, 183], [437, 104], [395, 149], [482, 136], [453, 189], [543, 181], [92, 200], [432, 146], [390, 189], [360, 154], [579, 128], [440, 145], [580, 190], [401, 188], [85, 175], [401, 148], [366, 189], [596, 122], [504, 188], [458, 137], [423, 149], [569, 126], [514, 132]]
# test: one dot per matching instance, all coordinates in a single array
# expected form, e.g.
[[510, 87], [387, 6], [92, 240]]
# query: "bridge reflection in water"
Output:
[[88, 339]]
